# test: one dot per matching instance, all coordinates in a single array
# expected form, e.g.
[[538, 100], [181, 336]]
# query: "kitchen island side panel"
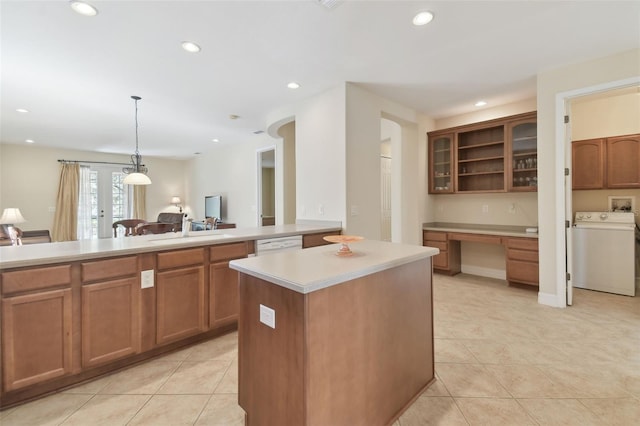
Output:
[[355, 353]]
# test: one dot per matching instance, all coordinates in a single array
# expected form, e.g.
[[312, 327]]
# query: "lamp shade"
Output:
[[175, 200], [137, 179], [11, 216]]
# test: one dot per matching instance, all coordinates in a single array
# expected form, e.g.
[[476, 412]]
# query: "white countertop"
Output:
[[316, 268], [48, 253]]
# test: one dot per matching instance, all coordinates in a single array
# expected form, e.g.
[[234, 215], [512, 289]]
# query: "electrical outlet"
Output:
[[146, 279], [52, 209], [485, 208], [355, 211], [440, 209], [321, 210], [512, 208], [267, 316]]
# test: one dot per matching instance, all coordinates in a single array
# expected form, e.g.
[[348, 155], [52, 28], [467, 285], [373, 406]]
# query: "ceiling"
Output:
[[75, 74]]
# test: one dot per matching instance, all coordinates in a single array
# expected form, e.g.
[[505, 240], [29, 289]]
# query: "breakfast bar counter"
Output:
[[335, 340]]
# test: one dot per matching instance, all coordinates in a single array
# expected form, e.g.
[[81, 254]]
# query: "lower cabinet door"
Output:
[[223, 298], [36, 338], [180, 304], [110, 321]]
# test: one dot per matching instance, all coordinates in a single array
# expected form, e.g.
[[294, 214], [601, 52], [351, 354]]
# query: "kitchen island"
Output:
[[335, 340], [75, 310]]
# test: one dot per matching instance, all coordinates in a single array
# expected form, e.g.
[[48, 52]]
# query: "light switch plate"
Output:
[[146, 279], [267, 316]]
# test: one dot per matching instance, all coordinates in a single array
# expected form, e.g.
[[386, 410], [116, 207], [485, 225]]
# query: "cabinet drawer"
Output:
[[437, 244], [523, 243], [477, 238], [526, 272], [315, 240], [36, 279], [434, 236], [173, 259], [228, 251], [441, 260], [526, 255], [110, 268]]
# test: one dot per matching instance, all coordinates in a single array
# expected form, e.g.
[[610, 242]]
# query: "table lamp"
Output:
[[176, 201], [11, 216]]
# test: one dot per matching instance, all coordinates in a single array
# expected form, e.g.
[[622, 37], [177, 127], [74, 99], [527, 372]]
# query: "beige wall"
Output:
[[29, 177], [551, 192], [288, 134]]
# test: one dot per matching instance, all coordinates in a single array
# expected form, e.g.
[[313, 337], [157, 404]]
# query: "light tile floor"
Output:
[[501, 359]]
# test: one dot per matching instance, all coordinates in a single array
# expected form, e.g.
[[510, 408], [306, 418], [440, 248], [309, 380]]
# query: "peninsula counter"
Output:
[[333, 340], [76, 310]]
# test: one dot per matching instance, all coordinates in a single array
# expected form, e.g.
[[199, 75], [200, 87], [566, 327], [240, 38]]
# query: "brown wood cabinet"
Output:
[[110, 310], [223, 284], [36, 326], [492, 156], [606, 163], [315, 240], [442, 161], [448, 260], [623, 162], [588, 163], [522, 260], [180, 295]]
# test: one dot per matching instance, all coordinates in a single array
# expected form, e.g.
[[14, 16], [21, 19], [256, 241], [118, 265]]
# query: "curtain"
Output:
[[140, 202], [84, 204], [65, 221]]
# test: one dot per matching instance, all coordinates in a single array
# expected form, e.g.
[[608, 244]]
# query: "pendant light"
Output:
[[137, 172]]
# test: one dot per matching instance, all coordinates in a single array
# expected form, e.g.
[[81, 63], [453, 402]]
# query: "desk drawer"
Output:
[[437, 244], [523, 272], [434, 236], [526, 255], [522, 243], [477, 238]]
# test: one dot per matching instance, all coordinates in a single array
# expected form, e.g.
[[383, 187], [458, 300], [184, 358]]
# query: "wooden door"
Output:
[[36, 338], [588, 160], [623, 162], [180, 303], [110, 321]]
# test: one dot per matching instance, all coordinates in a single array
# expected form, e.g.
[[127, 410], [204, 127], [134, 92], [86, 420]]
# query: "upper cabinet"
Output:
[[523, 135], [441, 155], [606, 163], [623, 162], [588, 160], [493, 156]]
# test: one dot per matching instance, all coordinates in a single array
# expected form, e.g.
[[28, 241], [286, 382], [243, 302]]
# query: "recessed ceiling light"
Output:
[[422, 18], [480, 103], [190, 47], [215, 140], [293, 85], [83, 8], [29, 141], [22, 110]]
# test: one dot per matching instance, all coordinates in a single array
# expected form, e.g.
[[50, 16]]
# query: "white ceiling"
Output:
[[75, 74]]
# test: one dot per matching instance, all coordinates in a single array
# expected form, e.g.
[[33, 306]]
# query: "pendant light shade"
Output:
[[136, 173]]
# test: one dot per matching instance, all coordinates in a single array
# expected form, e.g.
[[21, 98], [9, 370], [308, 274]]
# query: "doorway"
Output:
[[266, 187], [103, 199], [385, 190], [564, 212]]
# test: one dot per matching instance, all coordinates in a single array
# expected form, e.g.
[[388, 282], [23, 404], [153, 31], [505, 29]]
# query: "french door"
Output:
[[104, 199]]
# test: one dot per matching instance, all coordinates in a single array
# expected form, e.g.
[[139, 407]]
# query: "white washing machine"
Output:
[[604, 252]]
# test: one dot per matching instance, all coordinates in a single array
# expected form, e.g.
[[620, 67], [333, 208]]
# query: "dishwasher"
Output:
[[604, 252], [277, 245]]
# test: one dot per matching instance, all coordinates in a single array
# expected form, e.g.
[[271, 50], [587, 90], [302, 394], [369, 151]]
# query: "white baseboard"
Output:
[[499, 274], [551, 299]]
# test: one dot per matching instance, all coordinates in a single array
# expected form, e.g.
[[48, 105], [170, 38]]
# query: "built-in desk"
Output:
[[521, 247]]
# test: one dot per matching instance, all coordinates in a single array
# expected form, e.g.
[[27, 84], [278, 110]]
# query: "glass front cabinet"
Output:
[[499, 155], [524, 155], [440, 162]]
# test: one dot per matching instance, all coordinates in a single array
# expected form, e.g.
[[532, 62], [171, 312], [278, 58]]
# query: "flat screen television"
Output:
[[213, 206]]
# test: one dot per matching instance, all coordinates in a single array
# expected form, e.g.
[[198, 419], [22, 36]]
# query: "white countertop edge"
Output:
[[336, 279]]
